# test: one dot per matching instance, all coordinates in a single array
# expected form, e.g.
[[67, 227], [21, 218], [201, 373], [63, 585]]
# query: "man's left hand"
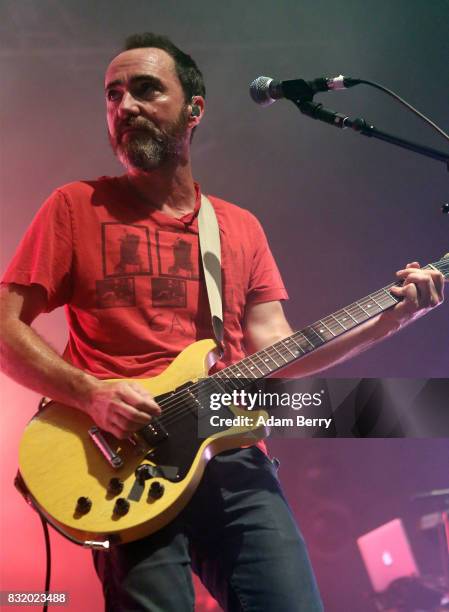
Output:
[[421, 291]]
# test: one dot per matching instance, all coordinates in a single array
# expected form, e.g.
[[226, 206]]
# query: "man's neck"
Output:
[[169, 190]]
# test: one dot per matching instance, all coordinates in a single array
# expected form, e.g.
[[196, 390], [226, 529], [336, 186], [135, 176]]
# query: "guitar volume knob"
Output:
[[83, 505], [156, 490], [115, 486], [121, 507]]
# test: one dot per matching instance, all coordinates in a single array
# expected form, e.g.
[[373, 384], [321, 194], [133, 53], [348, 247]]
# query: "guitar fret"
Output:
[[235, 373], [376, 302], [346, 320], [269, 358], [318, 332], [383, 299], [324, 334], [241, 371], [390, 297], [371, 307], [299, 346], [228, 380], [262, 365], [333, 325], [339, 323], [363, 314], [224, 373], [328, 328], [280, 354], [287, 350], [301, 349], [285, 342], [254, 364], [349, 315], [232, 380], [301, 333], [246, 369], [308, 332]]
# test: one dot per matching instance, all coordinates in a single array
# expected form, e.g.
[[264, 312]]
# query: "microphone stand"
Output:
[[316, 110]]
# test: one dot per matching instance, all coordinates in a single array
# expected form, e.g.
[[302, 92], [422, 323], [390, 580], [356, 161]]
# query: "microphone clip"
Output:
[[299, 90]]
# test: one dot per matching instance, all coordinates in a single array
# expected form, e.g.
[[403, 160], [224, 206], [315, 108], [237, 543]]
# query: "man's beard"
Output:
[[149, 148]]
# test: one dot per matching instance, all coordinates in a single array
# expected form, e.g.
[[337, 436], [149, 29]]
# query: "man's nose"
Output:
[[128, 105]]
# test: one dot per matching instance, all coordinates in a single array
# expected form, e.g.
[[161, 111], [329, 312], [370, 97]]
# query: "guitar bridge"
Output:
[[108, 453]]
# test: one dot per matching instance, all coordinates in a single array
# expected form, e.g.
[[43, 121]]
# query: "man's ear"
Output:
[[196, 109]]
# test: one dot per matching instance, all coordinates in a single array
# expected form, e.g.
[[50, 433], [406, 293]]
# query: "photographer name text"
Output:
[[268, 421]]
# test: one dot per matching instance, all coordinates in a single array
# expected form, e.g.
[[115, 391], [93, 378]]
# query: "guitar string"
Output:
[[183, 401], [172, 401], [178, 399]]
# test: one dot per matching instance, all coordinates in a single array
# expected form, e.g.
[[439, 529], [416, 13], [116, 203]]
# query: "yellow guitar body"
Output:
[[59, 463]]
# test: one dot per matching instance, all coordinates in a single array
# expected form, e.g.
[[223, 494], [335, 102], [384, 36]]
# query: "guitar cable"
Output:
[[48, 560], [22, 489]]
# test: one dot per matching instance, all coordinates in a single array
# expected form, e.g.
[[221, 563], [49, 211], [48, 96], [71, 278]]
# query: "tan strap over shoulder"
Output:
[[209, 237]]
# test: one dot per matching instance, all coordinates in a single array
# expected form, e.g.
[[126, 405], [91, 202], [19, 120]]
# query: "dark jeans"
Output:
[[239, 536]]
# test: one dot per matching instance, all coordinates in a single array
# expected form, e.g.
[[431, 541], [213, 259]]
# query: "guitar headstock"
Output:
[[443, 266]]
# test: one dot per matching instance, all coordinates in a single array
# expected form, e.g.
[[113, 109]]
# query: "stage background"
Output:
[[342, 213]]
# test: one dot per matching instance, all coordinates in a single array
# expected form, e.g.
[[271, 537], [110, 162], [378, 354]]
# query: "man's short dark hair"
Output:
[[188, 72]]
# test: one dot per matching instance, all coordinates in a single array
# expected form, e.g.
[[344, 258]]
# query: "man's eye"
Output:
[[112, 95], [145, 90]]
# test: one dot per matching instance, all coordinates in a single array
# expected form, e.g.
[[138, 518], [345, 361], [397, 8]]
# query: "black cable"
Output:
[[402, 101], [48, 561]]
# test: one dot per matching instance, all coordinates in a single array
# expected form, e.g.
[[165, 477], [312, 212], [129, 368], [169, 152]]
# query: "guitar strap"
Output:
[[209, 238]]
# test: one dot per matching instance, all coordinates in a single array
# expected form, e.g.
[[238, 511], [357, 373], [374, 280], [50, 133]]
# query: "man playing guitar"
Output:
[[121, 254]]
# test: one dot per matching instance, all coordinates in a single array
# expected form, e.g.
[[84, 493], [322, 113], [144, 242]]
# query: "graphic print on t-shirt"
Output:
[[168, 258], [115, 292], [168, 292], [126, 250], [177, 254]]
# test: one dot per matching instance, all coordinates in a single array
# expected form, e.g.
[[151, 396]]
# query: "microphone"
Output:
[[265, 90]]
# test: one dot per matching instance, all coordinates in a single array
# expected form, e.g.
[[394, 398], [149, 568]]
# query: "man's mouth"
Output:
[[134, 129], [128, 130]]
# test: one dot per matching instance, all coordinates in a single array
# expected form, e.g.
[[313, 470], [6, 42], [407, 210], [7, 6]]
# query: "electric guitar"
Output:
[[98, 490]]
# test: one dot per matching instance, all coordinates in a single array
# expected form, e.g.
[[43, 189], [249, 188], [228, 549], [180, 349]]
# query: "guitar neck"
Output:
[[285, 352]]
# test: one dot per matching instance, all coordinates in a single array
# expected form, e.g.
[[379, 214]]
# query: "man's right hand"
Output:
[[120, 408]]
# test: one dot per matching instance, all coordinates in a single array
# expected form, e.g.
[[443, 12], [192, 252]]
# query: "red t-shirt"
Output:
[[132, 282]]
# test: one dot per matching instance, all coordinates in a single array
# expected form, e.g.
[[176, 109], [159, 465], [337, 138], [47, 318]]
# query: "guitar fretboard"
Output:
[[284, 352]]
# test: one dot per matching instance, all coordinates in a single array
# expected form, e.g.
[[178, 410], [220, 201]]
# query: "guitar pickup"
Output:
[[153, 433], [108, 453]]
